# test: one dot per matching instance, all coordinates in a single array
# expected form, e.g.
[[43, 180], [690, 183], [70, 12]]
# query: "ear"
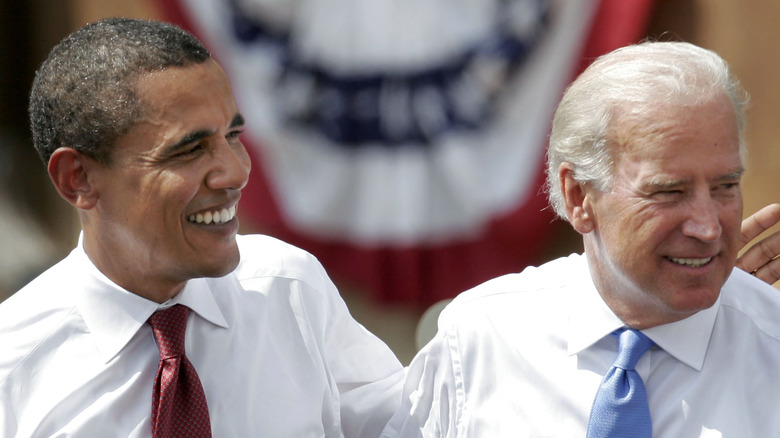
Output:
[[69, 171], [577, 199]]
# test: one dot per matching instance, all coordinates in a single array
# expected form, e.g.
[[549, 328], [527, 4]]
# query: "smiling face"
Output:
[[664, 239], [165, 210]]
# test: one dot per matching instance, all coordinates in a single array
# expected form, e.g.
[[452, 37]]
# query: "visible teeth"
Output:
[[691, 262], [216, 216]]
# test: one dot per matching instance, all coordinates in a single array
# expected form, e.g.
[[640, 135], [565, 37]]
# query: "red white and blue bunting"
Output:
[[402, 141]]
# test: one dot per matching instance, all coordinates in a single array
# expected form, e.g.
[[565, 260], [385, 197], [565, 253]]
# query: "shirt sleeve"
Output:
[[433, 397], [368, 376]]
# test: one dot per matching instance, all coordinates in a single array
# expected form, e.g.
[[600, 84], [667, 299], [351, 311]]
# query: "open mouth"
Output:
[[692, 262], [213, 217]]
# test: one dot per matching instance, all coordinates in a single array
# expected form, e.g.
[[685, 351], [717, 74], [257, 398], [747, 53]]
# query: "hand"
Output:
[[761, 259]]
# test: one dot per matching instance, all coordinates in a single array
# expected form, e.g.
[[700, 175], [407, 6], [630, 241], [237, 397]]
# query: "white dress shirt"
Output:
[[273, 343], [523, 355]]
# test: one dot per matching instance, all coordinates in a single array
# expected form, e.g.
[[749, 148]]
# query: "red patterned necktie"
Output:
[[178, 404]]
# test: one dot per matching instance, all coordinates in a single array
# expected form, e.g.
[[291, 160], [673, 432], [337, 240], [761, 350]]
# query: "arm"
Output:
[[367, 376], [761, 259], [433, 394]]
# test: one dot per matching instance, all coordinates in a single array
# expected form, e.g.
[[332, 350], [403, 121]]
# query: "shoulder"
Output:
[[510, 295], [264, 257], [36, 312], [259, 245], [54, 291], [754, 300]]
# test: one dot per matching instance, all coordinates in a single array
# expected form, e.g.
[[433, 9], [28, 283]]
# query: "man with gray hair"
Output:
[[650, 332]]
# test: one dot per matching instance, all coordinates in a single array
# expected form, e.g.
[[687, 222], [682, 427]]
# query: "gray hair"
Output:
[[640, 77], [83, 95]]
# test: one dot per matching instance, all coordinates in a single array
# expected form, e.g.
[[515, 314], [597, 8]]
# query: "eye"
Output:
[[668, 193], [192, 150], [233, 135], [727, 187]]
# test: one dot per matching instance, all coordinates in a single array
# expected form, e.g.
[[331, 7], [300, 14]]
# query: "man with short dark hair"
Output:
[[162, 322]]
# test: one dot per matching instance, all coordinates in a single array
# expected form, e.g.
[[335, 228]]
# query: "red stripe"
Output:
[[617, 23]]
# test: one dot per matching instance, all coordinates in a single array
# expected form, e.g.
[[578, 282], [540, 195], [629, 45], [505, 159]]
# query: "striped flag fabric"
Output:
[[402, 141]]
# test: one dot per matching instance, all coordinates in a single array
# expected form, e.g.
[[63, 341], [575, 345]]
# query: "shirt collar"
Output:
[[198, 296], [114, 315], [590, 319], [687, 340]]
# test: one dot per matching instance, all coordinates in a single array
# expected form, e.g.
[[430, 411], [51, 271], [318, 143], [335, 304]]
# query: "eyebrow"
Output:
[[193, 137], [664, 184], [238, 120], [733, 175]]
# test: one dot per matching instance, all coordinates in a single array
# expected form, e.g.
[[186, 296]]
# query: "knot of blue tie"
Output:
[[632, 345], [620, 408]]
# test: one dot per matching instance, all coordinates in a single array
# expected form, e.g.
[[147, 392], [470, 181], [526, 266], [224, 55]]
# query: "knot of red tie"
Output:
[[169, 326]]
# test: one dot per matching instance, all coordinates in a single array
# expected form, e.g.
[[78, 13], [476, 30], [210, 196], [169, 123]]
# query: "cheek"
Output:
[[731, 223], [734, 211], [165, 197], [175, 188], [637, 222], [639, 236]]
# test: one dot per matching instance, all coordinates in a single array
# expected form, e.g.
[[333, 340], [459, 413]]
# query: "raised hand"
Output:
[[761, 259]]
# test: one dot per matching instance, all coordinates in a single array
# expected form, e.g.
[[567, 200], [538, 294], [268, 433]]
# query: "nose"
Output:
[[231, 167], [703, 222]]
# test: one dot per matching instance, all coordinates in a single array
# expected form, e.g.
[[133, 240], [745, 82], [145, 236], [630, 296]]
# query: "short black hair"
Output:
[[83, 95]]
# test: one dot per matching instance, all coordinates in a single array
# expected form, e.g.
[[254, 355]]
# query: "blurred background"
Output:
[[401, 142]]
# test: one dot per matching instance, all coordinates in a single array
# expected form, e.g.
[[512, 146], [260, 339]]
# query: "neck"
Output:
[[128, 274]]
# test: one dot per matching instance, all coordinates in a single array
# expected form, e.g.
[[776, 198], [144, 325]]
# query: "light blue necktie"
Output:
[[620, 408]]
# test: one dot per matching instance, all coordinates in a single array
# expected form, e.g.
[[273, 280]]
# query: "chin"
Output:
[[695, 301], [225, 266]]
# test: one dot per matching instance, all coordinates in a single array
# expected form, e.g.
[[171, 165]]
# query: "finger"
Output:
[[761, 254], [770, 272], [759, 222]]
